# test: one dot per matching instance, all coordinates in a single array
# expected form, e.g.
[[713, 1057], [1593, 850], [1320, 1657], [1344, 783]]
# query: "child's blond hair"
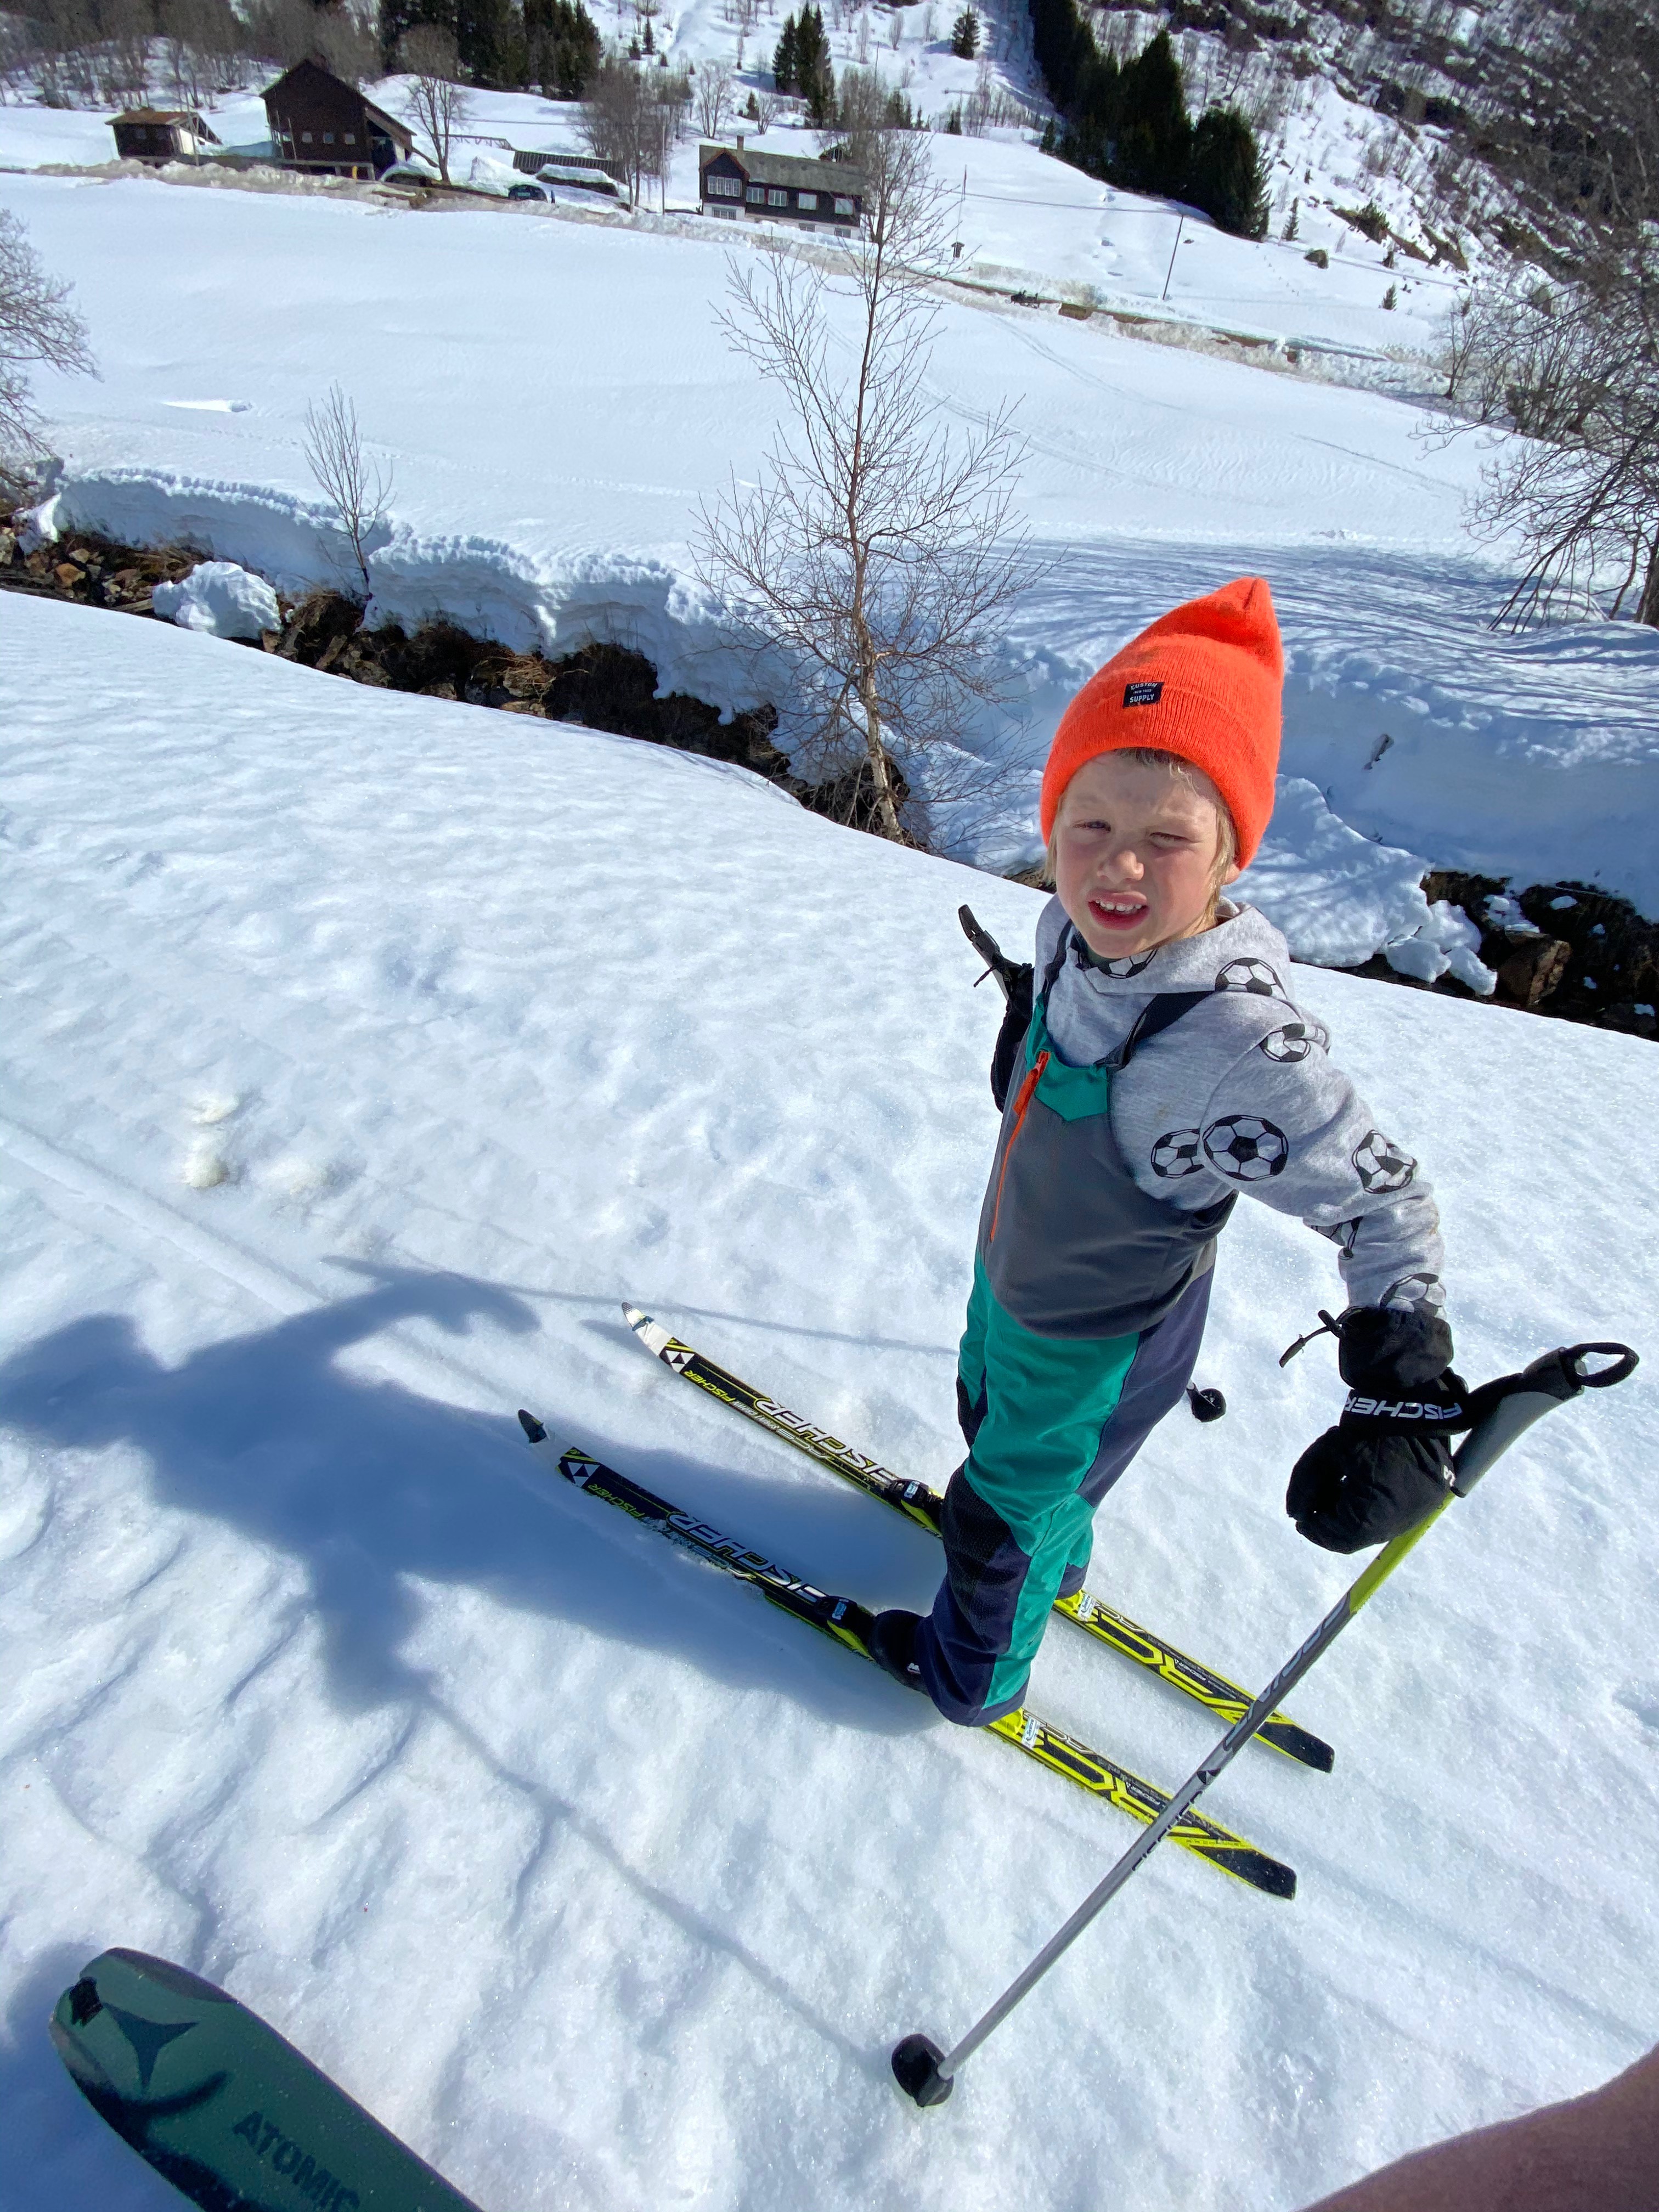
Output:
[[1227, 836]]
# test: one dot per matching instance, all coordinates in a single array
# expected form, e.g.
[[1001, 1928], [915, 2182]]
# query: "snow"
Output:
[[1335, 894], [554, 502], [219, 597], [366, 1052], [1447, 943]]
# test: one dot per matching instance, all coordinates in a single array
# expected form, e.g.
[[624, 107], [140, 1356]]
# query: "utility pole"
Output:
[[1174, 250]]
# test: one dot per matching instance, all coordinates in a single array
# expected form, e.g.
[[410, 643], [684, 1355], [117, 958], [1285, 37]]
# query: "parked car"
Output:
[[528, 192]]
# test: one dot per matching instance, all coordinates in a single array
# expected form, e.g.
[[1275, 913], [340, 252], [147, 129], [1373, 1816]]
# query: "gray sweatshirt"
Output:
[[1240, 1095]]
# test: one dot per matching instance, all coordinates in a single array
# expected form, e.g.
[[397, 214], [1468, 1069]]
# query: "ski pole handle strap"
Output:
[[1502, 1410]]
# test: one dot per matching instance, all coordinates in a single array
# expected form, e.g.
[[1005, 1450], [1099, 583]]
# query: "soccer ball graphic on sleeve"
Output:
[[1380, 1163], [1176, 1153], [1246, 1149]]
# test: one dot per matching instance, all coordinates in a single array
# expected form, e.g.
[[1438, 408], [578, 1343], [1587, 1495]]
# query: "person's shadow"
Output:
[[374, 1488]]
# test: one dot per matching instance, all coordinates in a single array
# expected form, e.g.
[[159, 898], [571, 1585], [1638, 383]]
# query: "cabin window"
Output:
[[305, 137], [351, 138], [844, 207], [776, 196], [807, 200], [724, 188], [756, 196], [328, 137]]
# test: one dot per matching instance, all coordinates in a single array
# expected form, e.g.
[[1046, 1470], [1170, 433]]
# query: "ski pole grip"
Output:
[[1506, 1408], [979, 936]]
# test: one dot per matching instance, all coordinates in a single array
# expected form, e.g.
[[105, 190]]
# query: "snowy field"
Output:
[[555, 398], [364, 1052]]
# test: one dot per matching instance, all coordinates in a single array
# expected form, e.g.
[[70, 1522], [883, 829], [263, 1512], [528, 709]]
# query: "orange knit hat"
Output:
[[1203, 682]]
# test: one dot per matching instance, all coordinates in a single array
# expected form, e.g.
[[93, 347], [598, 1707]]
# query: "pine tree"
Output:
[[785, 66], [814, 77], [564, 46], [1225, 175], [1294, 225], [964, 35], [1390, 298], [399, 17], [1154, 138], [483, 38]]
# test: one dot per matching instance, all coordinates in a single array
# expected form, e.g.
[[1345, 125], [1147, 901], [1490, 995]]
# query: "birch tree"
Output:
[[37, 325], [1573, 372], [437, 102], [877, 552]]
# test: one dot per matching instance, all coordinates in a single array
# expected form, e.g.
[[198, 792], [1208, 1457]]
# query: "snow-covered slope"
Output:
[[555, 397], [363, 1054]]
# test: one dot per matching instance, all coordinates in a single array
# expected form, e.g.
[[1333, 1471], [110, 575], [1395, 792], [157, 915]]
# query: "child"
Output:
[[1162, 1068]]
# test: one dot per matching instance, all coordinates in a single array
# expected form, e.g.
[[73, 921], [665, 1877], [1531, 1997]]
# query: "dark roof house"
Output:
[[321, 123], [160, 134], [779, 188]]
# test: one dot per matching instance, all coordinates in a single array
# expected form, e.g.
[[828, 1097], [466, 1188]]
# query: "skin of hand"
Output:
[[1135, 852], [1594, 2153]]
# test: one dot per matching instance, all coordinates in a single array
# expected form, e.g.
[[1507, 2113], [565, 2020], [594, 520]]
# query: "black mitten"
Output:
[[1386, 1465]]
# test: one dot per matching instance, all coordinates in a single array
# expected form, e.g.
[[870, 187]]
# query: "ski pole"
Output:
[[1502, 1411]]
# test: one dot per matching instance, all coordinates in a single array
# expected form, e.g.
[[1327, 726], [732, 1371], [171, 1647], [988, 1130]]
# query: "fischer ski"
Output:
[[848, 1623], [1225, 1698]]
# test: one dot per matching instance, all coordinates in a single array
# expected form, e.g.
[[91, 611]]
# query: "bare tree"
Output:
[[714, 98], [359, 491], [436, 104], [631, 118], [37, 323], [1573, 372], [876, 553]]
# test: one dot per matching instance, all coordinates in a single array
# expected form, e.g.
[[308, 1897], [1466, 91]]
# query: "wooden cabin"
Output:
[[779, 188], [160, 134], [322, 125]]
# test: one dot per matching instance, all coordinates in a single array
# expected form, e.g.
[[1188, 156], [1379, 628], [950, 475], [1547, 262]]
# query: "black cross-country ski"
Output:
[[848, 1623], [918, 1503]]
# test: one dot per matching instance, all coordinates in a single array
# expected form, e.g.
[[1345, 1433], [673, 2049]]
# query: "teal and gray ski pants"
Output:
[[1051, 1424]]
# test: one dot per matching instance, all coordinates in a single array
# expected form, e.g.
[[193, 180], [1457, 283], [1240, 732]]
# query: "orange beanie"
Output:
[[1203, 682]]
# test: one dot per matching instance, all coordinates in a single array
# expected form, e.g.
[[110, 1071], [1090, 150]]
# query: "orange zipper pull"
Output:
[[1027, 1092]]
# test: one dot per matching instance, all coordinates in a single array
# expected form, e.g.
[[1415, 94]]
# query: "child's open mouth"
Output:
[[1118, 910]]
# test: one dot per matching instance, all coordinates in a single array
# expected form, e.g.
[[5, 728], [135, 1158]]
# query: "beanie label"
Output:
[[1142, 695]]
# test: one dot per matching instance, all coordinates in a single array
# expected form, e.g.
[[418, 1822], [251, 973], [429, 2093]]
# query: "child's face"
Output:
[[1135, 850]]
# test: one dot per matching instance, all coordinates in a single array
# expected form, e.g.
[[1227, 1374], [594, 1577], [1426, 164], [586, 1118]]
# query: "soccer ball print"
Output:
[[1295, 1041], [1175, 1153], [1380, 1163], [1248, 975], [1120, 969], [1246, 1149]]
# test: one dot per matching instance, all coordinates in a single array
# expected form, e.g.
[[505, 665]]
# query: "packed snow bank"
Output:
[[1338, 897], [549, 498], [220, 598], [367, 1051]]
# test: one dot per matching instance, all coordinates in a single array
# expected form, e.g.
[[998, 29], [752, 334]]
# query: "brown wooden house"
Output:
[[321, 123], [160, 134], [779, 188]]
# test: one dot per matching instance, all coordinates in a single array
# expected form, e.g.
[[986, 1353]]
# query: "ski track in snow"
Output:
[[594, 1878]]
